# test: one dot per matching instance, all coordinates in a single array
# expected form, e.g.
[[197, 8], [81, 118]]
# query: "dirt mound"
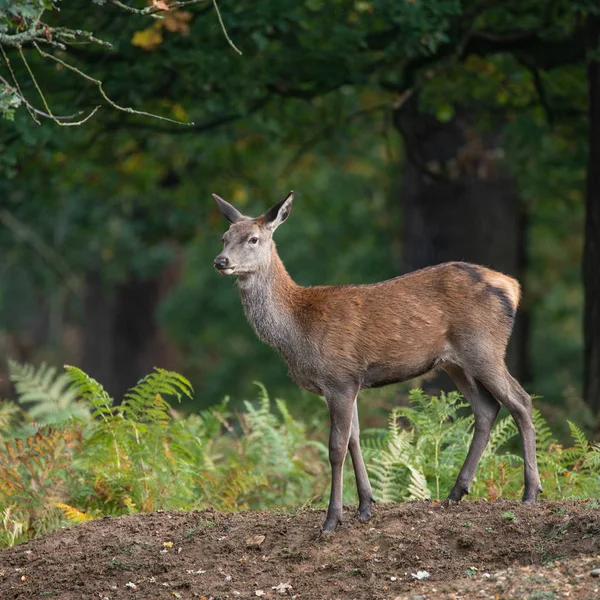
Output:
[[417, 550]]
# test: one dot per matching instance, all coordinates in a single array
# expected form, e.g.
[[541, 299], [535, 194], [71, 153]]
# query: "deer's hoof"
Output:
[[365, 514], [332, 522], [455, 496], [530, 496], [365, 511]]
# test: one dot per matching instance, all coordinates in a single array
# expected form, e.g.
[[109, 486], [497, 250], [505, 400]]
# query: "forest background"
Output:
[[412, 132]]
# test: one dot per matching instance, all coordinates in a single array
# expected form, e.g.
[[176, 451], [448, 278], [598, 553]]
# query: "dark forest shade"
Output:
[[591, 253], [120, 331]]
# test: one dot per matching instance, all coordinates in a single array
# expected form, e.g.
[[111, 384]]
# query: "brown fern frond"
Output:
[[73, 514], [10, 451], [12, 478]]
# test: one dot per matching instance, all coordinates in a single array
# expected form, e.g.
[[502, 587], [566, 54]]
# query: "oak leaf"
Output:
[[149, 38], [160, 4]]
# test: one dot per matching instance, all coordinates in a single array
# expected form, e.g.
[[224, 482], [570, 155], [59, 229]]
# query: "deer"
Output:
[[338, 340]]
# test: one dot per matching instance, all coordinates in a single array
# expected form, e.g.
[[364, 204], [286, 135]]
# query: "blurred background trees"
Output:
[[412, 132]]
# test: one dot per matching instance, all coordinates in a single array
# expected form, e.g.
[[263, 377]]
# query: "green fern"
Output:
[[13, 527], [90, 391], [8, 413], [45, 394], [544, 437], [142, 456], [583, 459], [276, 443], [504, 430], [393, 465], [592, 460], [145, 402], [581, 444]]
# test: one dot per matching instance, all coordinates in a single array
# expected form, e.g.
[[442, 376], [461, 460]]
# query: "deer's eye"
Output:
[[253, 240]]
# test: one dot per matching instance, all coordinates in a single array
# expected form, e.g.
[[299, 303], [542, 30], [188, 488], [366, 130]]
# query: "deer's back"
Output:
[[403, 327]]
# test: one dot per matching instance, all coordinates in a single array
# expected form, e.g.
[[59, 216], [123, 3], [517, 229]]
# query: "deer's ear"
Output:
[[276, 215], [232, 214]]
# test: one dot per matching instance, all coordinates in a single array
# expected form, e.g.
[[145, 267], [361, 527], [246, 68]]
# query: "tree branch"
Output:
[[524, 45], [153, 9], [39, 33], [223, 27], [99, 84], [194, 127], [41, 113], [540, 89]]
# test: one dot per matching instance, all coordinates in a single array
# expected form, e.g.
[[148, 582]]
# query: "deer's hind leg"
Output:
[[507, 390], [485, 410]]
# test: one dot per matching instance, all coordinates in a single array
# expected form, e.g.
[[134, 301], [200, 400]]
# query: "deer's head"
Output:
[[248, 244]]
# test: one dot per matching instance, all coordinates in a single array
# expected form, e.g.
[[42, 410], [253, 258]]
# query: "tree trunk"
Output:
[[119, 331], [98, 343], [134, 331], [591, 251], [460, 203]]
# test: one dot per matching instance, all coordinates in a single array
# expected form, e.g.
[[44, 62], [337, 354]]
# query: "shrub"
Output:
[[86, 457]]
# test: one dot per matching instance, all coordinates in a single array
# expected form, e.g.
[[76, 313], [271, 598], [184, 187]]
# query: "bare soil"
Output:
[[499, 549]]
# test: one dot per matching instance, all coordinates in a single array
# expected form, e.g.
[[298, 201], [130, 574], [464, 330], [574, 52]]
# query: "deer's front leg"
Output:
[[341, 406], [365, 494]]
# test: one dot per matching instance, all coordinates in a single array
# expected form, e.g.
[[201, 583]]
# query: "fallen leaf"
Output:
[[131, 585], [259, 593], [168, 544], [282, 587], [255, 541]]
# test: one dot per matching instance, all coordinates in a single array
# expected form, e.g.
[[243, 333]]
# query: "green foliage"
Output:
[[428, 452], [141, 455], [336, 144], [8, 414], [9, 102], [325, 77], [34, 472], [12, 11], [44, 394], [396, 473], [127, 462]]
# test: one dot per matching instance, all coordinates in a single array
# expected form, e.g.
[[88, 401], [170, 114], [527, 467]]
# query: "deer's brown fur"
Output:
[[338, 340]]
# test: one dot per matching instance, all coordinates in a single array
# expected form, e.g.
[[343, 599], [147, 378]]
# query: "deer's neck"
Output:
[[268, 299]]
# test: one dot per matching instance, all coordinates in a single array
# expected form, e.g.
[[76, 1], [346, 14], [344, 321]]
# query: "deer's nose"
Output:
[[221, 262]]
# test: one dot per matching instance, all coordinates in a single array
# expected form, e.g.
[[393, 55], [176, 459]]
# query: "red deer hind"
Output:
[[338, 340]]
